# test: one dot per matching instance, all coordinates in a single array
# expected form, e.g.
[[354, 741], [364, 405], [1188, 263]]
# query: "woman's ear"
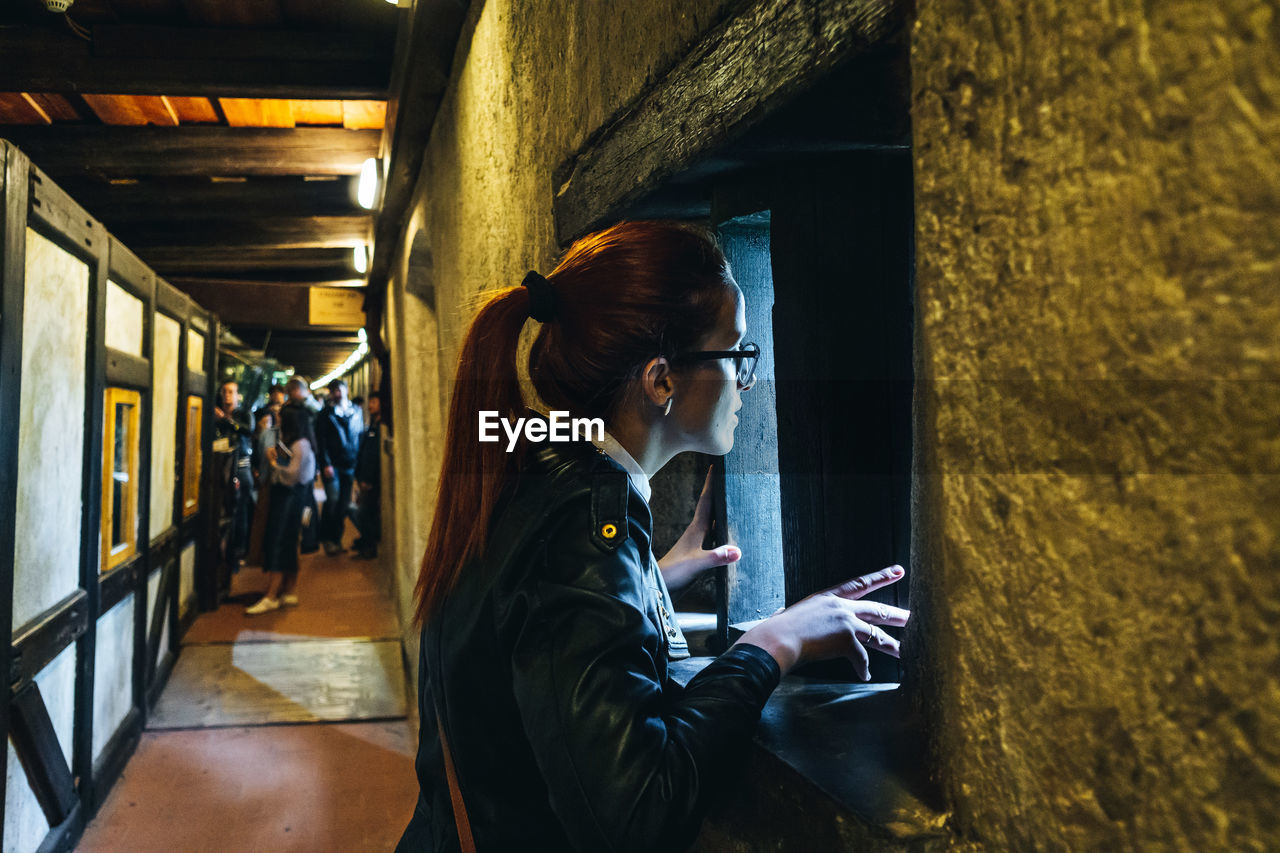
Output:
[[658, 382]]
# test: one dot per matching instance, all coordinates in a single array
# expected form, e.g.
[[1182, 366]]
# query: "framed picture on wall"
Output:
[[119, 476]]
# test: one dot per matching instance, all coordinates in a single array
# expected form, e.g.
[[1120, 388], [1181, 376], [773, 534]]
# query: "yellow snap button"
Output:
[[609, 531]]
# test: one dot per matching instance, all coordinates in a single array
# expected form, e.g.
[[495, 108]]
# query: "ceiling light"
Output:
[[361, 257], [367, 191]]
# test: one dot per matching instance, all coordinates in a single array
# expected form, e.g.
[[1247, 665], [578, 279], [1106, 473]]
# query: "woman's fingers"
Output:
[[875, 613], [858, 587], [861, 661], [873, 638]]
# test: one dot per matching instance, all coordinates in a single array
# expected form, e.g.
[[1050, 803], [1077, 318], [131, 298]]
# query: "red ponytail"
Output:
[[622, 296]]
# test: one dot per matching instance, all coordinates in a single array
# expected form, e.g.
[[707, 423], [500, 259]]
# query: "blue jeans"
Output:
[[337, 492]]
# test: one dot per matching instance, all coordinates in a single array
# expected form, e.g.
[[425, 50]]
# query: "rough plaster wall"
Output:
[[124, 320], [51, 429], [112, 673], [25, 825], [1098, 244], [535, 84], [528, 87], [418, 437], [164, 421]]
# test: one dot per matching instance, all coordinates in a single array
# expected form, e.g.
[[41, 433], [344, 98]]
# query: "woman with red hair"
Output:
[[548, 718]]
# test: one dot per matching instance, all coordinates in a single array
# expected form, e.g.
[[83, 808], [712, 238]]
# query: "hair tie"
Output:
[[542, 297]]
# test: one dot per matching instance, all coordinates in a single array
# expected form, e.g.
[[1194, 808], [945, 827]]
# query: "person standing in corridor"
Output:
[[368, 478], [338, 429]]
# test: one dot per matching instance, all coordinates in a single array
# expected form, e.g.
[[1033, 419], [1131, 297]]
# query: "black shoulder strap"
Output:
[[608, 509]]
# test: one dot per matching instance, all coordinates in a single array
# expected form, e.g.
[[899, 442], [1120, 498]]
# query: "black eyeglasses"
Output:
[[745, 358]]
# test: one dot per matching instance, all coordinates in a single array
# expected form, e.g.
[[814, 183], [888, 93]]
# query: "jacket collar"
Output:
[[619, 454]]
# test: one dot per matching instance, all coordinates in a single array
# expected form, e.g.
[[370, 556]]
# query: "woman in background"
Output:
[[293, 471]]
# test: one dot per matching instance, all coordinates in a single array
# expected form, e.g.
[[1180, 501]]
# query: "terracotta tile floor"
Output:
[[342, 786]]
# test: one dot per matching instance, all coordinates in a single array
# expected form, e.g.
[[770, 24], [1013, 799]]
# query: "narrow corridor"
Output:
[[281, 732]]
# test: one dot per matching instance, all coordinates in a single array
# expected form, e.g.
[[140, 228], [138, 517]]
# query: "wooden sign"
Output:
[[337, 306]]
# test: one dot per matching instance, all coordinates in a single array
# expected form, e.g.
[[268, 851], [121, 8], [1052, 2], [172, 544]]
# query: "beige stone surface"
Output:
[[112, 672], [51, 429], [195, 351], [124, 320], [1097, 592], [164, 420]]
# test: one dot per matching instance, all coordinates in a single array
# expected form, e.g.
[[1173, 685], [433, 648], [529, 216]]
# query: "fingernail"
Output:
[[732, 553], [896, 570]]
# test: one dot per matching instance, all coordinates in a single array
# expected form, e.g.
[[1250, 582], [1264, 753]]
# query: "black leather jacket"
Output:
[[549, 667]]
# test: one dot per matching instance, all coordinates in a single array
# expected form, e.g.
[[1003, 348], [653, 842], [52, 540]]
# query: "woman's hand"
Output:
[[833, 623], [687, 558], [271, 455]]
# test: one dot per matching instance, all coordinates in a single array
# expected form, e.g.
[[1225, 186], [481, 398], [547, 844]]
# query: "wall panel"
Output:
[[51, 430], [113, 673], [195, 351], [124, 320], [187, 579], [164, 418], [25, 826], [153, 590]]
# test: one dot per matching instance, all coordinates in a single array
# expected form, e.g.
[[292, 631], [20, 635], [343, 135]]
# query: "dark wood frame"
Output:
[[70, 795]]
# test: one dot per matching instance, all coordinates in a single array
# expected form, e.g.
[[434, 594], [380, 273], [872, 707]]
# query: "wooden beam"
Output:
[[253, 263], [754, 63], [311, 232], [263, 197], [68, 153], [423, 58], [181, 61], [255, 305], [285, 278]]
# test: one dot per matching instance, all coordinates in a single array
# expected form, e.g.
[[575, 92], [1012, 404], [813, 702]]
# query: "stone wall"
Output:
[[1097, 564], [527, 89], [1097, 193]]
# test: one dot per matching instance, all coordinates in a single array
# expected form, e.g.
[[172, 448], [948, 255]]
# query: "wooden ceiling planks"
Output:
[[195, 110], [257, 112], [56, 107], [364, 115], [133, 110], [15, 108], [139, 110], [318, 112]]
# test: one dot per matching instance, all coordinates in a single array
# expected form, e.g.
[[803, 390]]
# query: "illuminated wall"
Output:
[[1097, 194]]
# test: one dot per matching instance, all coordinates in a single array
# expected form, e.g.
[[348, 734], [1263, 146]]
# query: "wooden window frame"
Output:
[[194, 458], [114, 555]]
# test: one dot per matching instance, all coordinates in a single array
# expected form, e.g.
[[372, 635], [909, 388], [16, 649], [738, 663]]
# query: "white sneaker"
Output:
[[264, 605], [288, 600]]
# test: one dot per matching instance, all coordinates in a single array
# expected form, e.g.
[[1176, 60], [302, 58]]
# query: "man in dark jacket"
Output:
[[338, 429], [233, 449], [368, 477], [298, 394]]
